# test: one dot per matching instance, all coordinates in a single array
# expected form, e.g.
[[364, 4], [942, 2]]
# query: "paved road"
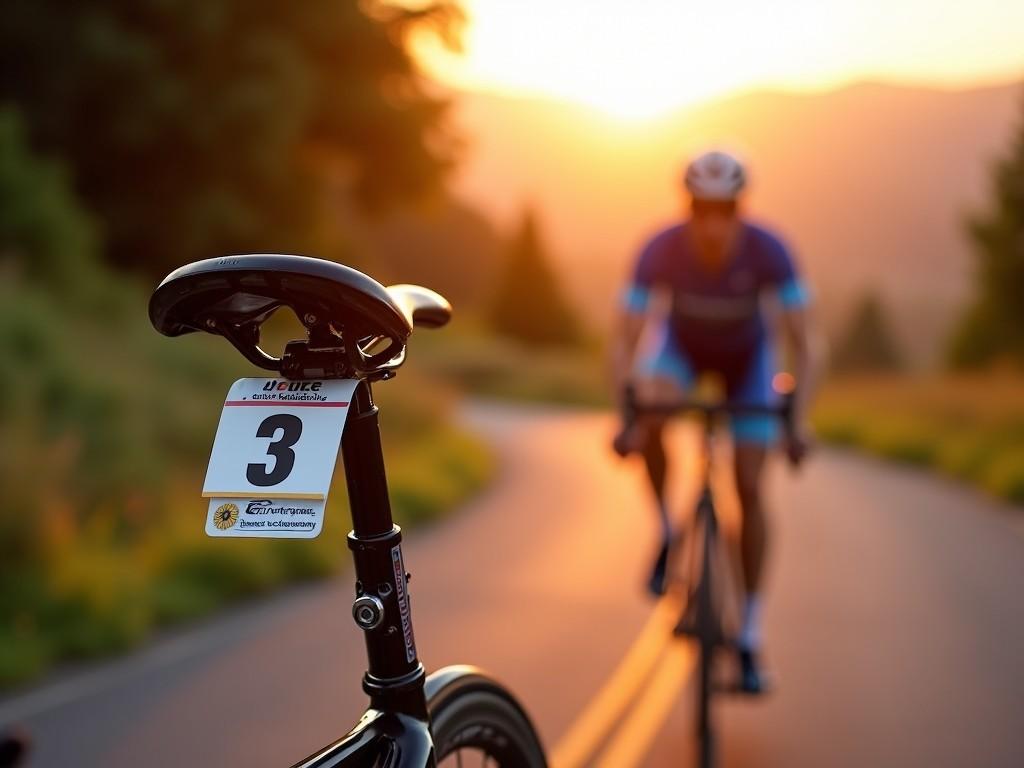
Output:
[[896, 627]]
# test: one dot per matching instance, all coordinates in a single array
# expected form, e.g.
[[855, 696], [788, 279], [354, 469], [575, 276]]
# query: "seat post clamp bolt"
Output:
[[368, 612]]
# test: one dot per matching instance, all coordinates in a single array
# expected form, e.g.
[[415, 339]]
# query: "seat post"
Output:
[[364, 467], [394, 676]]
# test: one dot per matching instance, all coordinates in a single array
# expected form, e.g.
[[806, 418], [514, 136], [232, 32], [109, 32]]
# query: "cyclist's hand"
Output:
[[798, 443]]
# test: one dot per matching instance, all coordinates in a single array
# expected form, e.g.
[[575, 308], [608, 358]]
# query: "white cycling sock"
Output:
[[750, 632]]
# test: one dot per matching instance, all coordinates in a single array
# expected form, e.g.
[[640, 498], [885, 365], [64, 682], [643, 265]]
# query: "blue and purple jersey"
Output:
[[717, 318]]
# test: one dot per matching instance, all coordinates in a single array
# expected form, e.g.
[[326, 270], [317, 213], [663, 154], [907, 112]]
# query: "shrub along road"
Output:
[[894, 624]]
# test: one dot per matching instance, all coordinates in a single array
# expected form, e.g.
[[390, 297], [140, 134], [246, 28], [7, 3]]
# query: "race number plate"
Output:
[[274, 456]]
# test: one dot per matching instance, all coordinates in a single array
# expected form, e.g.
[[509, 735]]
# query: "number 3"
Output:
[[280, 449]]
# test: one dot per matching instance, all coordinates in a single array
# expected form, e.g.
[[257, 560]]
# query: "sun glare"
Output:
[[639, 60]]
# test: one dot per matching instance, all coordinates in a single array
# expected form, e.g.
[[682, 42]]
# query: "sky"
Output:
[[640, 59]]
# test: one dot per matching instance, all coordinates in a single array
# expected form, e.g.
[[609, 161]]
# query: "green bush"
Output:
[[23, 655]]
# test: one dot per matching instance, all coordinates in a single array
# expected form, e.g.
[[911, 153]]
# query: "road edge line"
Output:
[[597, 721]]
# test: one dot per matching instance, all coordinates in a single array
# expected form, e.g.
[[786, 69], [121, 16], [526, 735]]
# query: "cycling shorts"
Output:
[[753, 387]]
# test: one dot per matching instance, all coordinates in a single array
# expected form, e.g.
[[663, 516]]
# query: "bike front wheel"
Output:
[[476, 722]]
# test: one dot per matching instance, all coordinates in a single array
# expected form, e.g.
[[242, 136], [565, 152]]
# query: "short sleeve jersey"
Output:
[[717, 317]]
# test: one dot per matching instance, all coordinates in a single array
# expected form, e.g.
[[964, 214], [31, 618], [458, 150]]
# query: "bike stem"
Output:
[[394, 677]]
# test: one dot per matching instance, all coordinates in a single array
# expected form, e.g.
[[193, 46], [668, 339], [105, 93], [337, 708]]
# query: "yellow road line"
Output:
[[592, 727], [633, 740]]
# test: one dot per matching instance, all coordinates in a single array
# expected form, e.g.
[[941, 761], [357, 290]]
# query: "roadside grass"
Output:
[[90, 595], [105, 428], [970, 427], [482, 364]]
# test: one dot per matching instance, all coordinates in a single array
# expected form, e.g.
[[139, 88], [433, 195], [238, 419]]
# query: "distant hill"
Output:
[[869, 183]]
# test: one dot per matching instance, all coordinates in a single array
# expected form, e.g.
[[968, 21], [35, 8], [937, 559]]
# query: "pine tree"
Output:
[[993, 327], [529, 305], [868, 344]]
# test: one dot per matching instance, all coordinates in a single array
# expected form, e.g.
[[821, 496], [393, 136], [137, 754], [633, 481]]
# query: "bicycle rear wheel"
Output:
[[476, 722]]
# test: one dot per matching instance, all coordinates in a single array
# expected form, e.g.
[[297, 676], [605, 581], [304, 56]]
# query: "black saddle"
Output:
[[356, 327]]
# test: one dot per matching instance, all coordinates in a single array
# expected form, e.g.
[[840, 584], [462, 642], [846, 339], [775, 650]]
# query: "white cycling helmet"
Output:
[[715, 176]]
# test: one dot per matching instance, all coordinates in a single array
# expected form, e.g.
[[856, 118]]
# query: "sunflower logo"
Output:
[[225, 516]]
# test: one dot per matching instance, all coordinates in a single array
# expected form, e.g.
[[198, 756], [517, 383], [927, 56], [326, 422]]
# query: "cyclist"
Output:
[[697, 304]]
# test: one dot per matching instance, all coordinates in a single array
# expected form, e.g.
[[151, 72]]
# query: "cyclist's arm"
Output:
[[635, 303], [805, 351], [625, 339], [798, 328]]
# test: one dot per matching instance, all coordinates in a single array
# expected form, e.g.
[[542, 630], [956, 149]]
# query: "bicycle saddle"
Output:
[[356, 327]]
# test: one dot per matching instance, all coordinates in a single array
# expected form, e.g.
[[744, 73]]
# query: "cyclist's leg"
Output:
[[752, 437], [664, 374], [749, 457], [652, 447]]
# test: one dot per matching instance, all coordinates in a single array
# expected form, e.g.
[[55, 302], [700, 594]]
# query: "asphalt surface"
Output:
[[895, 627]]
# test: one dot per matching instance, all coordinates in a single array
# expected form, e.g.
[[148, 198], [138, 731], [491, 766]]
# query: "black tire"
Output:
[[476, 722], [707, 640]]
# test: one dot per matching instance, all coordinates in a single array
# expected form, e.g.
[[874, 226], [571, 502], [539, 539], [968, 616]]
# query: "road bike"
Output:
[[698, 560], [357, 331]]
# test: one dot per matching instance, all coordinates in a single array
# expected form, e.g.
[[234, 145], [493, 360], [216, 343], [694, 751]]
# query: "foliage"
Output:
[[118, 423], [967, 426], [189, 129], [101, 419], [473, 359], [993, 327], [200, 128], [529, 305], [867, 344], [44, 234]]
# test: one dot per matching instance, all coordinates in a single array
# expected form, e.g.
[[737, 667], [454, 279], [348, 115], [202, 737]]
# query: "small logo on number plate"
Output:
[[225, 516]]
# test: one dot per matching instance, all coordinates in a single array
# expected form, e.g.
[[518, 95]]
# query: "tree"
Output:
[[44, 234], [199, 127], [867, 344], [528, 304], [993, 326]]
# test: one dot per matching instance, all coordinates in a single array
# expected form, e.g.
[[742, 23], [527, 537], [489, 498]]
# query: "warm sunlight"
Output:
[[641, 59]]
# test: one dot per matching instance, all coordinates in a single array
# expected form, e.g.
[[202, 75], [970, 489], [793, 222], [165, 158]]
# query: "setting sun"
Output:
[[643, 59]]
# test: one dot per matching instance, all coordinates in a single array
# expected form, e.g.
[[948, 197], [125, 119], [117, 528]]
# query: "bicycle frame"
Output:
[[707, 626], [395, 730], [700, 619]]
